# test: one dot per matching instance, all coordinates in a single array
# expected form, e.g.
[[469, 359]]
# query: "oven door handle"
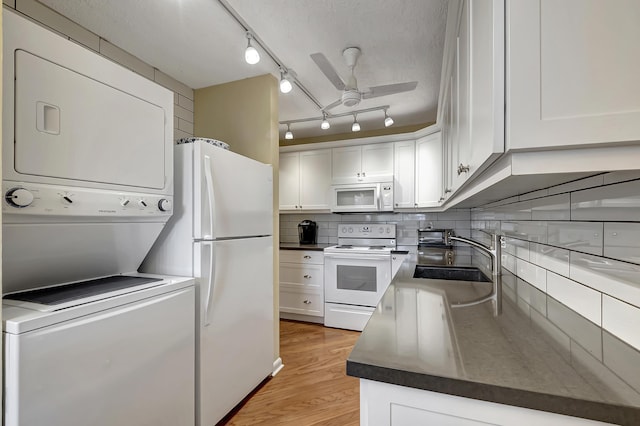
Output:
[[357, 256]]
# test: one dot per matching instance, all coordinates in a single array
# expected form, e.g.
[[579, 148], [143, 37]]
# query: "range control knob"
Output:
[[164, 205], [19, 197], [142, 203], [124, 201]]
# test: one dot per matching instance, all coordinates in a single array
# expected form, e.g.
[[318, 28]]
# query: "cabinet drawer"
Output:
[[301, 302], [300, 275], [302, 256]]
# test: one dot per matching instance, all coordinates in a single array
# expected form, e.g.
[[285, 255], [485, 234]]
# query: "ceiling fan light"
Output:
[[325, 124], [388, 121], [251, 55]]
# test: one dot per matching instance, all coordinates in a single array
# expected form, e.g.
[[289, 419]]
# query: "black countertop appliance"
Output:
[[308, 232]]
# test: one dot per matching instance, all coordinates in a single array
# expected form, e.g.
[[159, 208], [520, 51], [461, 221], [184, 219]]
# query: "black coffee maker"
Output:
[[307, 232]]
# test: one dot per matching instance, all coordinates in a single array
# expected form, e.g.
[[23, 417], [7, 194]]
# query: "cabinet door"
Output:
[[463, 93], [346, 164], [572, 73], [315, 179], [486, 83], [377, 162], [404, 174], [289, 175], [429, 170]]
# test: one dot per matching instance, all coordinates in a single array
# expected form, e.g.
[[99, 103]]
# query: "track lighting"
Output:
[[288, 134], [285, 81], [325, 123], [251, 55], [388, 121], [355, 127]]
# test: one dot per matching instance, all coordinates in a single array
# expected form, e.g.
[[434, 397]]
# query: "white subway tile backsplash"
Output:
[[183, 113], [531, 273], [622, 359], [552, 258], [185, 126], [179, 134], [59, 23], [618, 279], [580, 236], [619, 202], [556, 335], [615, 177], [509, 262], [622, 241], [584, 300], [581, 330], [622, 320], [589, 182], [533, 194], [535, 231], [516, 211], [517, 247], [185, 103], [126, 59], [532, 296], [557, 207], [173, 84], [455, 215]]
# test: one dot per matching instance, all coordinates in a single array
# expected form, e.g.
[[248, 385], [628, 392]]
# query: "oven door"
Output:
[[356, 279]]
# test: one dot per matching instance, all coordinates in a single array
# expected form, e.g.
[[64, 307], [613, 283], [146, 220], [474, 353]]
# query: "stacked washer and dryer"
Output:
[[87, 178]]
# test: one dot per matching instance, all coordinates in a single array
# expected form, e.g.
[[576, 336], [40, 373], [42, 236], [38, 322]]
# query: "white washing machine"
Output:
[[115, 350], [87, 184]]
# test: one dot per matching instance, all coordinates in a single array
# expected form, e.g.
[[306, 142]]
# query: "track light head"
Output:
[[388, 121], [325, 123], [251, 55], [288, 134], [285, 82], [355, 127]]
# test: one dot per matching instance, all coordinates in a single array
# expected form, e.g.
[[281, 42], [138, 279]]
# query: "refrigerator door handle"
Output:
[[210, 194], [211, 282]]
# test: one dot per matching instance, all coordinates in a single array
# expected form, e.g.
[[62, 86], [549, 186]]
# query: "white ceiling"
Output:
[[198, 43]]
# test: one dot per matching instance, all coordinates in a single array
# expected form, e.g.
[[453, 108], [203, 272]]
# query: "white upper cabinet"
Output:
[[365, 163], [404, 174], [471, 106], [573, 70], [305, 180], [428, 178]]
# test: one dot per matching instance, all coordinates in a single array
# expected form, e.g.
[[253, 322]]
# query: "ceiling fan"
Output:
[[351, 95]]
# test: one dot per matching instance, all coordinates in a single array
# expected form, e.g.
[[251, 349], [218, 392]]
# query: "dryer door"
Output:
[[70, 126]]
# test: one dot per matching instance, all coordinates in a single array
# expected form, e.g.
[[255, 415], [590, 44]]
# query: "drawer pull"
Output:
[[307, 302], [306, 256], [307, 276]]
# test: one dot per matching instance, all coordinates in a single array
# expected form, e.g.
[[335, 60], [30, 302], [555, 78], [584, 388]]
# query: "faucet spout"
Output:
[[495, 252]]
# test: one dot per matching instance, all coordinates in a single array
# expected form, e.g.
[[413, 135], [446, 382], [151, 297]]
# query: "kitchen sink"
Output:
[[458, 273]]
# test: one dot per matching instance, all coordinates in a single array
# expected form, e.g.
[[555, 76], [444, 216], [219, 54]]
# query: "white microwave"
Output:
[[362, 197]]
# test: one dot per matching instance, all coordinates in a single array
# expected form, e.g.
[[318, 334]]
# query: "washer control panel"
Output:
[[367, 230], [40, 199]]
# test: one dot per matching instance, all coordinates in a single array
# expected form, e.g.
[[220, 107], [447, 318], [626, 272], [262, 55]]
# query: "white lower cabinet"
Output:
[[302, 284], [383, 404]]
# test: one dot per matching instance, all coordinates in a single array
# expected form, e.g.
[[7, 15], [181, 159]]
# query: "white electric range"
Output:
[[357, 272]]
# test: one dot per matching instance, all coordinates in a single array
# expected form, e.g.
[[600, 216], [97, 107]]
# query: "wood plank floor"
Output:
[[312, 388]]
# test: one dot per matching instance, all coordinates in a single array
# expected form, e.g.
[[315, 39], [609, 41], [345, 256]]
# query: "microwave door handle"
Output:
[[378, 206]]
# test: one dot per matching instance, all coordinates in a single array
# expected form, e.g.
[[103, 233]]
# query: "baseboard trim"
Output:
[[277, 366]]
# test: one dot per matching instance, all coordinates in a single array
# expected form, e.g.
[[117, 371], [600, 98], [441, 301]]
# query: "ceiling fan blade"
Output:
[[327, 69], [332, 105], [389, 89]]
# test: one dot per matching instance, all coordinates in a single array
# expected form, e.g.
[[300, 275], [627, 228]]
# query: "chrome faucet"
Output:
[[495, 252]]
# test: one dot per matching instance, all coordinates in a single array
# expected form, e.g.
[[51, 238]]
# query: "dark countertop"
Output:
[[415, 339], [296, 246]]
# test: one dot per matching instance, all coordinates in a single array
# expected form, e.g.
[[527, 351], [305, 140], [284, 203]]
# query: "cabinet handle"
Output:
[[415, 204], [462, 169], [306, 256], [448, 190], [307, 302], [363, 174], [358, 174], [307, 276], [394, 258]]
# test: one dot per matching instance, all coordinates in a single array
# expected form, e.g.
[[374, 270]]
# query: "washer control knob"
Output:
[[19, 197], [164, 205], [350, 230]]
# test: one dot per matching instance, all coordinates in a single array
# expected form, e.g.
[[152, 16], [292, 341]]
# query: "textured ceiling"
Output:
[[199, 44]]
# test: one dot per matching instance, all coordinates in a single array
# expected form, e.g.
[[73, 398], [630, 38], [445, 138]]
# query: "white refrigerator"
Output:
[[221, 233]]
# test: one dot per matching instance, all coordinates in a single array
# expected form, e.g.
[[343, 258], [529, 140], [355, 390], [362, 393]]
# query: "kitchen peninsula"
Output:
[[421, 360]]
